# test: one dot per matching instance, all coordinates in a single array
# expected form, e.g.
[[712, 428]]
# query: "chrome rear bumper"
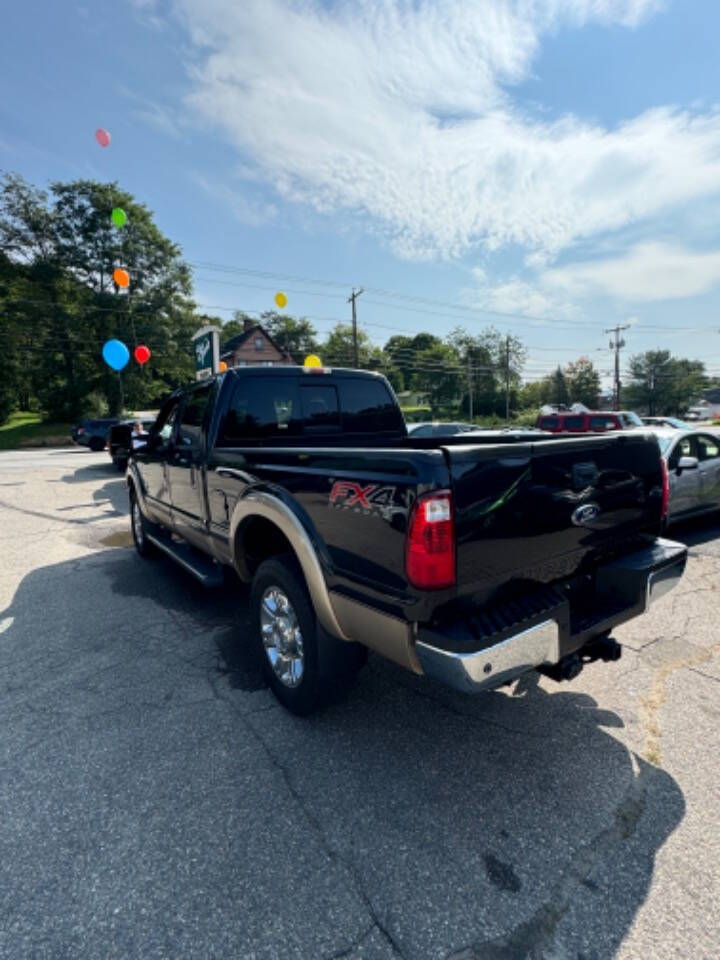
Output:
[[495, 665], [625, 588]]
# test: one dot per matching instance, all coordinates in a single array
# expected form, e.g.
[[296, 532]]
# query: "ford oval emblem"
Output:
[[585, 514]]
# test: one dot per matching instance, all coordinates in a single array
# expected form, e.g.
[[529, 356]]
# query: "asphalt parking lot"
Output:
[[156, 802]]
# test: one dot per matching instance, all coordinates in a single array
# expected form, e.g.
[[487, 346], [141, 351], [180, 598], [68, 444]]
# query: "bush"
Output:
[[95, 405]]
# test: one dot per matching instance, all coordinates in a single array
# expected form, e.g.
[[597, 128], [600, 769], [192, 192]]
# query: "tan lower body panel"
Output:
[[388, 636]]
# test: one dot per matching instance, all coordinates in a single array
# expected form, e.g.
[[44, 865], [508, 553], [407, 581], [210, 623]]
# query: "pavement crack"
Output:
[[332, 854], [533, 938], [701, 673], [348, 953], [652, 704]]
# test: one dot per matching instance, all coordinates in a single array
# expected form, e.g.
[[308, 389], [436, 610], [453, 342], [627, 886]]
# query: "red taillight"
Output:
[[430, 552], [80, 430], [666, 488]]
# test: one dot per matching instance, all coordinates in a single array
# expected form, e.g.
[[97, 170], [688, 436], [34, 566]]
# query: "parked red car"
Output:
[[597, 421]]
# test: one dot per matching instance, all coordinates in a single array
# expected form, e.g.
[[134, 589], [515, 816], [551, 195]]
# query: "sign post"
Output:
[[206, 343]]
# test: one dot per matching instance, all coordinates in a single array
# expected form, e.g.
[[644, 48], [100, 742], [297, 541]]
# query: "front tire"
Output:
[[302, 665], [139, 527]]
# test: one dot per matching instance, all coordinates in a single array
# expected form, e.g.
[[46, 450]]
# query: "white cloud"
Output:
[[402, 111], [515, 295], [648, 272], [248, 210]]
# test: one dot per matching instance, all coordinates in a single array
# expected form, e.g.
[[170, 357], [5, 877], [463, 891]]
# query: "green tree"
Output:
[[583, 382], [67, 248], [558, 392], [663, 384], [534, 394], [437, 373], [296, 335], [337, 350]]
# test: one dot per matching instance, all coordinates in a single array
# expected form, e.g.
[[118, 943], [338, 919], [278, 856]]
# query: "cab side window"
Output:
[[683, 448], [708, 448], [261, 409], [549, 423], [193, 416], [165, 423]]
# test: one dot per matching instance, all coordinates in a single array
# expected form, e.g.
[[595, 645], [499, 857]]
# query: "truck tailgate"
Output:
[[544, 510]]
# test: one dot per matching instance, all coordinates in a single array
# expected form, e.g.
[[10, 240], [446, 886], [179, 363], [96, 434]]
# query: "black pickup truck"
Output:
[[470, 559]]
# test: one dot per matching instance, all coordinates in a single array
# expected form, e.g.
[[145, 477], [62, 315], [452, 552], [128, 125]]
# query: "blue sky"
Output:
[[554, 160]]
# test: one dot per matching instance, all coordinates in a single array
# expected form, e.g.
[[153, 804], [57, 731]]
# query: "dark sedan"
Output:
[[93, 433]]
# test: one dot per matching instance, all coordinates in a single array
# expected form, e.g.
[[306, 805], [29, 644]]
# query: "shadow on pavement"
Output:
[[696, 532], [113, 491], [157, 802]]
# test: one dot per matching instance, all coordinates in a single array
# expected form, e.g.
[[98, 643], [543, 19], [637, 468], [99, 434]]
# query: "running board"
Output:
[[207, 571]]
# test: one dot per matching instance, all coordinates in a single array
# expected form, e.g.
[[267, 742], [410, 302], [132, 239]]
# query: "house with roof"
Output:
[[254, 347]]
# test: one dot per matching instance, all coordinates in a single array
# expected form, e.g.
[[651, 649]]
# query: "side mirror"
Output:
[[687, 463]]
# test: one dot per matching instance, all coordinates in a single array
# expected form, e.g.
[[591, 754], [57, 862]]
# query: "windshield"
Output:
[[631, 419]]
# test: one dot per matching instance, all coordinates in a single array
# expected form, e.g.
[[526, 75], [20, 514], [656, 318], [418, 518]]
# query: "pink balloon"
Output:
[[102, 137]]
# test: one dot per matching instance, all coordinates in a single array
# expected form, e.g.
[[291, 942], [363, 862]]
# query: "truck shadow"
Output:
[[510, 825], [113, 492]]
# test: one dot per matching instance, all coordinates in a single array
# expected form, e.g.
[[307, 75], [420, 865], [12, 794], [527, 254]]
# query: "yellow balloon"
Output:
[[280, 299], [312, 361]]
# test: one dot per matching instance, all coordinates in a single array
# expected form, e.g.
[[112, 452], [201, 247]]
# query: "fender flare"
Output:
[[135, 484], [257, 503]]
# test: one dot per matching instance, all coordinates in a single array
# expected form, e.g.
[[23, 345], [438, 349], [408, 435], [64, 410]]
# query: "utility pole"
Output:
[[470, 385], [351, 299], [507, 377], [617, 344]]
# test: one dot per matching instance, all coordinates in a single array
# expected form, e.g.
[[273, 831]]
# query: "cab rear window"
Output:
[[368, 407], [282, 408]]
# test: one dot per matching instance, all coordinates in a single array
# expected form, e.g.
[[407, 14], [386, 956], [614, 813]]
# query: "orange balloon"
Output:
[[121, 277]]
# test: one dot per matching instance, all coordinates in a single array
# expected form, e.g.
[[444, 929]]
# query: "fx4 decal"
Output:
[[368, 498]]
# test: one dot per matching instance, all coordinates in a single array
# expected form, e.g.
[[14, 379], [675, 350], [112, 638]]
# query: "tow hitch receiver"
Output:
[[603, 648]]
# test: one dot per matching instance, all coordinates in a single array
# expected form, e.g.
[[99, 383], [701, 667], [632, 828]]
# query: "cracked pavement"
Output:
[[156, 802]]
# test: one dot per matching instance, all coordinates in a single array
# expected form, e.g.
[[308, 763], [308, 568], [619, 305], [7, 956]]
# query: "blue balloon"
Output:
[[116, 354]]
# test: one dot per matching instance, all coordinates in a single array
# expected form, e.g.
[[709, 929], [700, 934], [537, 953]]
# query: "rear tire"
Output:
[[97, 444], [303, 666]]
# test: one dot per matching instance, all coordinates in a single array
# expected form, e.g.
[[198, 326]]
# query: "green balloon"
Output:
[[119, 217]]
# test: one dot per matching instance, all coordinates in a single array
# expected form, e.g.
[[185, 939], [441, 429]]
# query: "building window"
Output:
[[259, 343]]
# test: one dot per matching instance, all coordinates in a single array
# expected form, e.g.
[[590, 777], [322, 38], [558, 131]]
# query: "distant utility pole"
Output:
[[617, 344], [351, 299], [470, 385], [507, 377]]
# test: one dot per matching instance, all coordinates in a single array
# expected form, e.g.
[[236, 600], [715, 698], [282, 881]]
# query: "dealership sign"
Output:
[[206, 344]]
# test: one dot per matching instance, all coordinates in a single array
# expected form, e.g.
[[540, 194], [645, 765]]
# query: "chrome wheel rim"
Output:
[[281, 636], [137, 524]]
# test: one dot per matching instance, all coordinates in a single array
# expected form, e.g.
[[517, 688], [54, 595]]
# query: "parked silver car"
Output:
[[693, 462]]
